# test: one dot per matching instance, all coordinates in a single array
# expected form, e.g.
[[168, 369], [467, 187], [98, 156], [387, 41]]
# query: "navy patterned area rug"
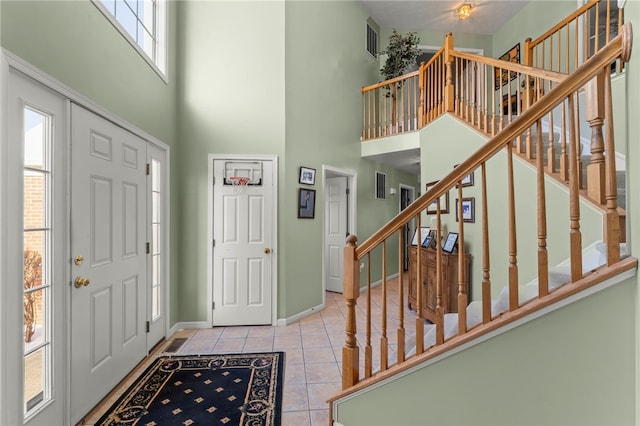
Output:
[[226, 389]]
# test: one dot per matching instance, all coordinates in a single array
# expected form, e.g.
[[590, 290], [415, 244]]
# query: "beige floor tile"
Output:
[[295, 374], [319, 417], [287, 342], [319, 393], [296, 418], [326, 372], [315, 340], [294, 356], [258, 344], [235, 332], [295, 398], [317, 355], [226, 346], [198, 347], [208, 333], [262, 331]]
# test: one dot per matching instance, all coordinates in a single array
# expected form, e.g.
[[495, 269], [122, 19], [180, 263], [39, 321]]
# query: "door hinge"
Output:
[[148, 326], [213, 305], [148, 169], [347, 191], [213, 243], [148, 248]]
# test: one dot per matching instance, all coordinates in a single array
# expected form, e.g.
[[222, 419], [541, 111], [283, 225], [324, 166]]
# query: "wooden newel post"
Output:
[[448, 88], [351, 291], [595, 117]]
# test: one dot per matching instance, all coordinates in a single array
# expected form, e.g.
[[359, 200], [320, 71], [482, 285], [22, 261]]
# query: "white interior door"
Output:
[[108, 249], [336, 219], [243, 243]]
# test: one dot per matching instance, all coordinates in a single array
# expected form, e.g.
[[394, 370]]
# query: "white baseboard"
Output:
[[187, 325], [379, 282], [282, 322]]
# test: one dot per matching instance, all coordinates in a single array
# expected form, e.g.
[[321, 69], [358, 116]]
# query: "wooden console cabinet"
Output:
[[449, 281]]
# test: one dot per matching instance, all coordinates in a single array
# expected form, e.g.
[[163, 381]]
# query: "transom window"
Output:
[[143, 24]]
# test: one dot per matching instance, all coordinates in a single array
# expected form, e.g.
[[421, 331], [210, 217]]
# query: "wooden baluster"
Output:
[[551, 149], [596, 45], [578, 142], [467, 110], [567, 59], [439, 308], [486, 100], [486, 276], [395, 115], [474, 106], [364, 115], [401, 331], [457, 88], [575, 237], [384, 341], [495, 103], [421, 100], [612, 231], [368, 352], [595, 116], [513, 246], [462, 278], [543, 260], [351, 291], [419, 272], [564, 160], [501, 100], [448, 94]]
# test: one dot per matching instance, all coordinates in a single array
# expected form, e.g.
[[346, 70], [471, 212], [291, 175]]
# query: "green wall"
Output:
[[573, 366], [73, 42], [286, 92]]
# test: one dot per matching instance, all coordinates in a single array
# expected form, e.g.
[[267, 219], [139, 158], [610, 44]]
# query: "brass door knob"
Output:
[[80, 282], [78, 260], [267, 250]]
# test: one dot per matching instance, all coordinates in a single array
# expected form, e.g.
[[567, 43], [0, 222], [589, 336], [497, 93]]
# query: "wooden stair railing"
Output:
[[563, 93]]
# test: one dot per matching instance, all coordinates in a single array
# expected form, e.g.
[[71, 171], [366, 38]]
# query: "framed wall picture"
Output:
[[467, 180], [307, 176], [444, 201], [468, 210], [424, 232], [306, 203], [451, 242], [427, 241], [503, 76]]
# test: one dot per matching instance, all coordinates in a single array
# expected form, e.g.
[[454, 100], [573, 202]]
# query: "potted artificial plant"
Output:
[[401, 52]]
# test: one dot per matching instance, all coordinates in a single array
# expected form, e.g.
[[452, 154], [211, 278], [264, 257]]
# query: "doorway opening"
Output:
[[340, 190]]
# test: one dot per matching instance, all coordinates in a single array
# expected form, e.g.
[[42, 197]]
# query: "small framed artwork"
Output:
[[306, 203], [451, 242], [427, 241], [468, 210], [424, 232], [503, 76], [444, 202], [307, 176], [467, 180]]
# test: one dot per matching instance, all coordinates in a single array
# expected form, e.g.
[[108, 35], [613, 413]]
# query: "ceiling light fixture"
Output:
[[464, 11]]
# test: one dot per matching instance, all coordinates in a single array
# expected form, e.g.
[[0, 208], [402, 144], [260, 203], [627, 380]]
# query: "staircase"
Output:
[[546, 98]]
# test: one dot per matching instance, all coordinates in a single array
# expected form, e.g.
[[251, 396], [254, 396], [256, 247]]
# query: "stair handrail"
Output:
[[620, 46], [573, 16]]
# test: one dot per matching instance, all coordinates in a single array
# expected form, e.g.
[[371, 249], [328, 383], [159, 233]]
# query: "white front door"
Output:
[[243, 255], [336, 219], [108, 251]]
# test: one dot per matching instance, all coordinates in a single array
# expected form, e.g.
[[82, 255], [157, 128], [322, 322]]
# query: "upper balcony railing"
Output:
[[486, 92]]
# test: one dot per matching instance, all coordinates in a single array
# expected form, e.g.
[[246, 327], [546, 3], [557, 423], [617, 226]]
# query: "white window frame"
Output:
[[159, 63]]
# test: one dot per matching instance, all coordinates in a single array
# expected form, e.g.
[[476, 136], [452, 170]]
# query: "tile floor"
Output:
[[313, 348]]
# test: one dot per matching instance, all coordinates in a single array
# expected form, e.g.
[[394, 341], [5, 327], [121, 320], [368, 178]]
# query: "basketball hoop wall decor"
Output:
[[307, 176]]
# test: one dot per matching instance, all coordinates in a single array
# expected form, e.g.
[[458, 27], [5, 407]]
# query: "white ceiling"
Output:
[[487, 16]]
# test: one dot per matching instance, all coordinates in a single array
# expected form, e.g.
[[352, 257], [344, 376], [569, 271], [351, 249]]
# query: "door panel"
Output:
[[242, 254], [108, 209], [336, 230]]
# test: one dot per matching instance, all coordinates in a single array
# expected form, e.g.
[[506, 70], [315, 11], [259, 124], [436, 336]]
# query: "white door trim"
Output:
[[274, 225], [352, 226]]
